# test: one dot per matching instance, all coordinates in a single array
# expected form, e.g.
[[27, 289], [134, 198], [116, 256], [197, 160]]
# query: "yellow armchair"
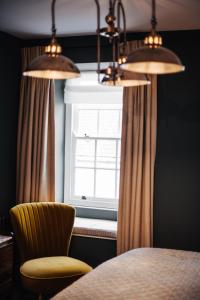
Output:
[[43, 232]]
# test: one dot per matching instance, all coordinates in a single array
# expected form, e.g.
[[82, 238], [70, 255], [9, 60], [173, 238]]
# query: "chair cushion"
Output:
[[51, 274]]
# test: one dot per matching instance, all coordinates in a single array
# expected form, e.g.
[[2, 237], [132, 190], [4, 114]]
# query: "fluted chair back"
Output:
[[42, 229]]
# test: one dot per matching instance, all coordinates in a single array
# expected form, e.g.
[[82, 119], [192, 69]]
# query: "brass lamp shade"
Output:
[[46, 66], [127, 79], [153, 61]]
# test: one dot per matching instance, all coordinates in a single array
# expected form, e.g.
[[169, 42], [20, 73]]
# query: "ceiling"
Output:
[[31, 18]]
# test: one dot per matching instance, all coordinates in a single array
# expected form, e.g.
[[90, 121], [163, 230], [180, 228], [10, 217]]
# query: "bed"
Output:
[[141, 274]]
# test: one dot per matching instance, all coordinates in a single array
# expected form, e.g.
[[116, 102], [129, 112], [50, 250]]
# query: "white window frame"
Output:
[[69, 175]]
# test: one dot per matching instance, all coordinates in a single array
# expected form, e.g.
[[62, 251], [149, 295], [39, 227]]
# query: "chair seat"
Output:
[[51, 274]]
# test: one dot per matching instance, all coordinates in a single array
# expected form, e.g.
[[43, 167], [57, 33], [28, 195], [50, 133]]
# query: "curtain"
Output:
[[135, 214], [36, 136]]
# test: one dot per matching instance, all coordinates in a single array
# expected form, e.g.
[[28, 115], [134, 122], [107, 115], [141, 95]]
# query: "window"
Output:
[[93, 143]]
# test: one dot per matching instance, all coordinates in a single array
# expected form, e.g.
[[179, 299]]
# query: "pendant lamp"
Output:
[[125, 79], [153, 58], [52, 65], [113, 75]]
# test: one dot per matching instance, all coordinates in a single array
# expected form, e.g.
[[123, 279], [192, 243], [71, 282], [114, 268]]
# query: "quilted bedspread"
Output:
[[141, 274]]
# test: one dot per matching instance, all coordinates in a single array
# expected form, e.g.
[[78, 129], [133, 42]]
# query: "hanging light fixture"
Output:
[[113, 75], [153, 59], [52, 65], [125, 79]]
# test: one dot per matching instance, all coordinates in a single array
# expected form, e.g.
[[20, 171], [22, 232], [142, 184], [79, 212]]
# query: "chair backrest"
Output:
[[42, 229]]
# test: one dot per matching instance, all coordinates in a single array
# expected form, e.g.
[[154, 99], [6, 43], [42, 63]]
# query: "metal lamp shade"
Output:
[[153, 61], [128, 79], [48, 67]]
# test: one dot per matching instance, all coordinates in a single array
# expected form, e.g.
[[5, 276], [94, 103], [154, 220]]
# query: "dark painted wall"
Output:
[[177, 176], [94, 251], [9, 91]]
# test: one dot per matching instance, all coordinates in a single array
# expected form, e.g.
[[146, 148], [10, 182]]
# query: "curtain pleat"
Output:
[[36, 136], [135, 214]]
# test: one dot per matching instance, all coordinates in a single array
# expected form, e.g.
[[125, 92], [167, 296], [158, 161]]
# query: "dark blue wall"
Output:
[[177, 173], [9, 99]]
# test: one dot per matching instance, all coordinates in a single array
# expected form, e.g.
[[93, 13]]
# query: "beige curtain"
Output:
[[135, 215], [36, 135]]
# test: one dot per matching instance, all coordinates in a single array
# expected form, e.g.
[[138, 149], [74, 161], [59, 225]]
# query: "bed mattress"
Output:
[[141, 274]]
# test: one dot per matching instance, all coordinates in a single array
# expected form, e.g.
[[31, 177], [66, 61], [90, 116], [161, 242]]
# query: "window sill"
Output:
[[96, 213], [95, 228]]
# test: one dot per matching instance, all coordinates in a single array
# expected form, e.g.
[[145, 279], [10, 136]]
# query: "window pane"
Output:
[[120, 123], [118, 154], [87, 124], [105, 184], [84, 182], [117, 191], [85, 150], [109, 123], [106, 154]]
